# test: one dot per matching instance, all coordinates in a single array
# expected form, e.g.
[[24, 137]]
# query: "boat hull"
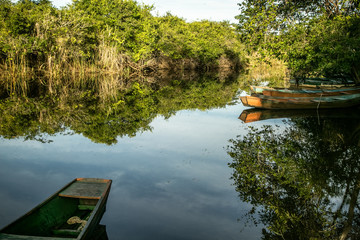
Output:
[[83, 200]]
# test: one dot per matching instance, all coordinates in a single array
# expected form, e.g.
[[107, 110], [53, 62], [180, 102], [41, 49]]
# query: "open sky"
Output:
[[190, 10]]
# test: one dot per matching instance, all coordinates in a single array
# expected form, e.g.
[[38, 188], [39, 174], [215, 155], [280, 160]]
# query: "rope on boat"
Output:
[[319, 101], [317, 109], [75, 220]]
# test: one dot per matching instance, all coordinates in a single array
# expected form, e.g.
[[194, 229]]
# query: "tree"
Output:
[[307, 34], [261, 16], [120, 19]]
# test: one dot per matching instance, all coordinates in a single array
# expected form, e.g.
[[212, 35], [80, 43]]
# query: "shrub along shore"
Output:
[[119, 36], [41, 45]]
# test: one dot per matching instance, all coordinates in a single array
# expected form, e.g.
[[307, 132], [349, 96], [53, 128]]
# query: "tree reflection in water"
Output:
[[303, 179], [104, 113]]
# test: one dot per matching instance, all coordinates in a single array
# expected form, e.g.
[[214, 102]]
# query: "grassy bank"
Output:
[[117, 37]]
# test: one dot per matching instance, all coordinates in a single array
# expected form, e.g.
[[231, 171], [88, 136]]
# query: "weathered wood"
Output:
[[280, 98], [322, 82], [269, 91], [310, 93], [86, 207], [87, 190], [4, 236], [66, 232]]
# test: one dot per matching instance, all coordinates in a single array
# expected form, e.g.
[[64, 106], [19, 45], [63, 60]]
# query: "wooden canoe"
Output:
[[259, 89], [269, 102], [322, 82], [74, 212], [284, 92], [311, 93]]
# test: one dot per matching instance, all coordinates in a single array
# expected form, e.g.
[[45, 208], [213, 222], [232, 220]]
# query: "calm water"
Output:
[[173, 181], [168, 183]]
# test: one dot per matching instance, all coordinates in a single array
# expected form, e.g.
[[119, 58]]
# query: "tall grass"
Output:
[[16, 75], [110, 59], [66, 65]]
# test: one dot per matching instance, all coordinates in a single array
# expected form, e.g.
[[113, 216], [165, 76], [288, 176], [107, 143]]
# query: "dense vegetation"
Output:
[[315, 38], [108, 36], [312, 38]]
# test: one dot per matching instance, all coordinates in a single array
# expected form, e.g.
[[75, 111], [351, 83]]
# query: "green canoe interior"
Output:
[[49, 219]]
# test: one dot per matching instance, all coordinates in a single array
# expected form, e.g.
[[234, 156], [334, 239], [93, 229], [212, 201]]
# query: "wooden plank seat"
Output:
[[86, 190]]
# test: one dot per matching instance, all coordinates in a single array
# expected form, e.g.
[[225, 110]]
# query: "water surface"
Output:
[[184, 166], [172, 182]]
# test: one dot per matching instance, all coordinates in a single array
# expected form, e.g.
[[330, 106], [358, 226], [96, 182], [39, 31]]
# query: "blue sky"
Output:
[[190, 10]]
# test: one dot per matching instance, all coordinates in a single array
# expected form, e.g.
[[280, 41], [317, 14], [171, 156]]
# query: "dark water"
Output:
[[200, 174]]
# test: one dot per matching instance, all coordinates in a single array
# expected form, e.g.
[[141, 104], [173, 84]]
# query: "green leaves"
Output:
[[111, 35], [316, 38], [327, 48]]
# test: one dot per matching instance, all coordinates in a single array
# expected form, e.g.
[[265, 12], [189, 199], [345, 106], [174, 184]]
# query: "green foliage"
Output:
[[325, 47], [204, 42], [123, 17], [262, 17], [18, 28], [172, 32], [212, 40], [99, 35], [316, 38]]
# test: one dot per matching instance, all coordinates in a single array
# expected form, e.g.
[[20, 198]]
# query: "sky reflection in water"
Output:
[[170, 183]]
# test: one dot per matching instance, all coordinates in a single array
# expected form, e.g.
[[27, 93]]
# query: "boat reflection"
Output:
[[253, 114], [346, 119], [100, 233]]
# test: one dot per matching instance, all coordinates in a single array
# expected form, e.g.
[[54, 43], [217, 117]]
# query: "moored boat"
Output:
[[73, 212], [322, 82], [310, 93], [285, 92]]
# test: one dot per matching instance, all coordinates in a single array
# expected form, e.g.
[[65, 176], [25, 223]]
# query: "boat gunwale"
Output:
[[259, 89], [101, 202], [314, 98]]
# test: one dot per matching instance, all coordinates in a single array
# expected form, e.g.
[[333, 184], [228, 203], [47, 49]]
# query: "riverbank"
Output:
[[121, 37]]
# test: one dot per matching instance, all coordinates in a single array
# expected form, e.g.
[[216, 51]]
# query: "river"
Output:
[[178, 176]]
